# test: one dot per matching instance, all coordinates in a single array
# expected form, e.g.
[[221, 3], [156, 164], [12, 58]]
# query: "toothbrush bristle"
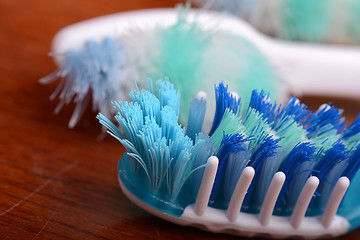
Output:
[[330, 168], [89, 71], [230, 144], [224, 100], [307, 150], [297, 166], [196, 117], [351, 135]]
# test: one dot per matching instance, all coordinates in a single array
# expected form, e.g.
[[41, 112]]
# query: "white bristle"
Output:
[[201, 95], [240, 191], [303, 201], [334, 201], [207, 183], [272, 194]]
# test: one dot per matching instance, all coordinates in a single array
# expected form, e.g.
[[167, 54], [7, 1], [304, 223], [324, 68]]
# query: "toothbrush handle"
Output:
[[315, 69]]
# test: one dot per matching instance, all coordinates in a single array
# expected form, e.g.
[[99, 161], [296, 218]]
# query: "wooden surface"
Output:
[[57, 183]]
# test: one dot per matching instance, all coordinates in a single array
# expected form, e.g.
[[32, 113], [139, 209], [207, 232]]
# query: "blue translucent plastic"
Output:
[[138, 185], [350, 207]]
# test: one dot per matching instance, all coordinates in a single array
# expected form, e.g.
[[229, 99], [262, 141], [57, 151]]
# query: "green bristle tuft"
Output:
[[230, 124]]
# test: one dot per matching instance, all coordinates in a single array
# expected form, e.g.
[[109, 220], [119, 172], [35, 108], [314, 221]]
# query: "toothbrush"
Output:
[[254, 174], [103, 56], [304, 68], [322, 21]]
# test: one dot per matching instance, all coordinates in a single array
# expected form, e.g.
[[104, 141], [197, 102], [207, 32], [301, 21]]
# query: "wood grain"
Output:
[[57, 183]]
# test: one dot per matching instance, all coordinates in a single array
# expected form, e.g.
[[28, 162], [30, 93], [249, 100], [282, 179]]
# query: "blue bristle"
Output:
[[96, 67], [112, 129], [353, 163], [202, 150], [130, 118], [235, 165], [224, 100], [330, 168], [294, 108], [196, 117], [351, 135], [326, 115], [230, 144], [154, 139], [169, 125], [156, 153], [265, 148], [148, 102], [297, 167], [260, 101], [181, 165], [168, 95]]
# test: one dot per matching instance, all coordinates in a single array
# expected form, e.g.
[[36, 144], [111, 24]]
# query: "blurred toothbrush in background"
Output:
[[312, 67], [322, 21], [100, 58]]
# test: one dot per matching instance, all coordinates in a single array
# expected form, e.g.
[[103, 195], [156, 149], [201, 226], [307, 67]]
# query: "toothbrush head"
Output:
[[247, 177], [98, 59]]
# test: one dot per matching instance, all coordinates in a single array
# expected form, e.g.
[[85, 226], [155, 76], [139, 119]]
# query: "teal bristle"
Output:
[[255, 126], [291, 133], [148, 102], [202, 150], [196, 117], [305, 19], [169, 126], [230, 124], [182, 50], [167, 95], [154, 139]]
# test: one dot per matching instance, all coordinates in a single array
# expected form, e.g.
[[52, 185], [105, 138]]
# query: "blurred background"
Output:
[[57, 183]]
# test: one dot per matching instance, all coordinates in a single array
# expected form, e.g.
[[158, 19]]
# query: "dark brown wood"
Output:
[[57, 183]]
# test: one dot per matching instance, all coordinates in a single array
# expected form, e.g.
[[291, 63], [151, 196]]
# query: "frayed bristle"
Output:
[[92, 71], [224, 100]]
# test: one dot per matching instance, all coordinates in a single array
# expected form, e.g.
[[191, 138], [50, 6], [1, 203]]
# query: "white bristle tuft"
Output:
[[239, 193], [334, 201], [201, 95], [207, 183], [303, 201], [272, 194]]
